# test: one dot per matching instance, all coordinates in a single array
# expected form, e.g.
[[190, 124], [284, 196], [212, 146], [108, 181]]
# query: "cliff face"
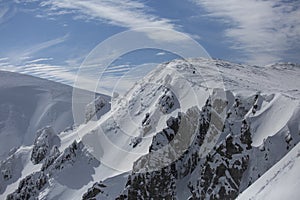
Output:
[[230, 166], [258, 130]]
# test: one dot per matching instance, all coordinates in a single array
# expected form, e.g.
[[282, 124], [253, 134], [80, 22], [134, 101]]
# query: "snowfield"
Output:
[[28, 104], [185, 131], [280, 182]]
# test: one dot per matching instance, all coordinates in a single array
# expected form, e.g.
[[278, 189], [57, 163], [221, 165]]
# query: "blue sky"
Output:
[[51, 38]]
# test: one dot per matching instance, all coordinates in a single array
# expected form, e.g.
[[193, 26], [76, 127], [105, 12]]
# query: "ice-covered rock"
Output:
[[49, 160], [96, 108], [168, 102], [30, 186], [94, 191], [53, 166], [46, 138]]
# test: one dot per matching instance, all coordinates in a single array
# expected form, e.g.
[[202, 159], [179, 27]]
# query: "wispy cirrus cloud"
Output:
[[38, 60], [43, 45], [128, 13], [7, 11], [121, 78], [3, 11], [3, 59], [264, 29], [21, 55], [127, 75], [41, 69], [25, 61]]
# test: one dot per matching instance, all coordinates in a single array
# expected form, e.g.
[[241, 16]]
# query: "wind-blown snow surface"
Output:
[[261, 124], [28, 104], [282, 181]]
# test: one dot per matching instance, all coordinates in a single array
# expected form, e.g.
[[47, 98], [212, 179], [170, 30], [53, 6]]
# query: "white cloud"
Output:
[[44, 45], [130, 14], [127, 13], [121, 84], [3, 59], [3, 11], [162, 53], [39, 68], [6, 11], [19, 56], [47, 71], [61, 74], [117, 69], [265, 30], [38, 60]]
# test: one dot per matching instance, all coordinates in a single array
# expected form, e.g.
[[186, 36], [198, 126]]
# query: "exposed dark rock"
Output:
[[93, 191], [45, 140], [168, 102], [30, 186], [100, 104]]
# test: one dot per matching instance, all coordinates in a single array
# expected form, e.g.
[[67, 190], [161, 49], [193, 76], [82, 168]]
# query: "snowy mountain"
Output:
[[28, 105], [281, 181], [183, 132]]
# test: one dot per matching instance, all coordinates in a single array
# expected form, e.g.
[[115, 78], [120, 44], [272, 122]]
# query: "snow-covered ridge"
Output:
[[259, 99], [280, 182], [27, 104], [256, 116]]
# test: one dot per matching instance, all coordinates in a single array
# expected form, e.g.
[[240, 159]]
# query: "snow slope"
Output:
[[27, 104], [282, 181], [266, 98], [258, 106]]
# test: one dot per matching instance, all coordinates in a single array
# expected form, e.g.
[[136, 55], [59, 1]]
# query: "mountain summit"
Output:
[[191, 129]]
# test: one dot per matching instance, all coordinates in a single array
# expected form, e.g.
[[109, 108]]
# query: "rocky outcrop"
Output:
[[54, 153], [168, 101], [94, 191], [30, 186], [222, 171], [10, 170], [53, 164], [178, 145], [46, 138], [219, 174], [98, 107]]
